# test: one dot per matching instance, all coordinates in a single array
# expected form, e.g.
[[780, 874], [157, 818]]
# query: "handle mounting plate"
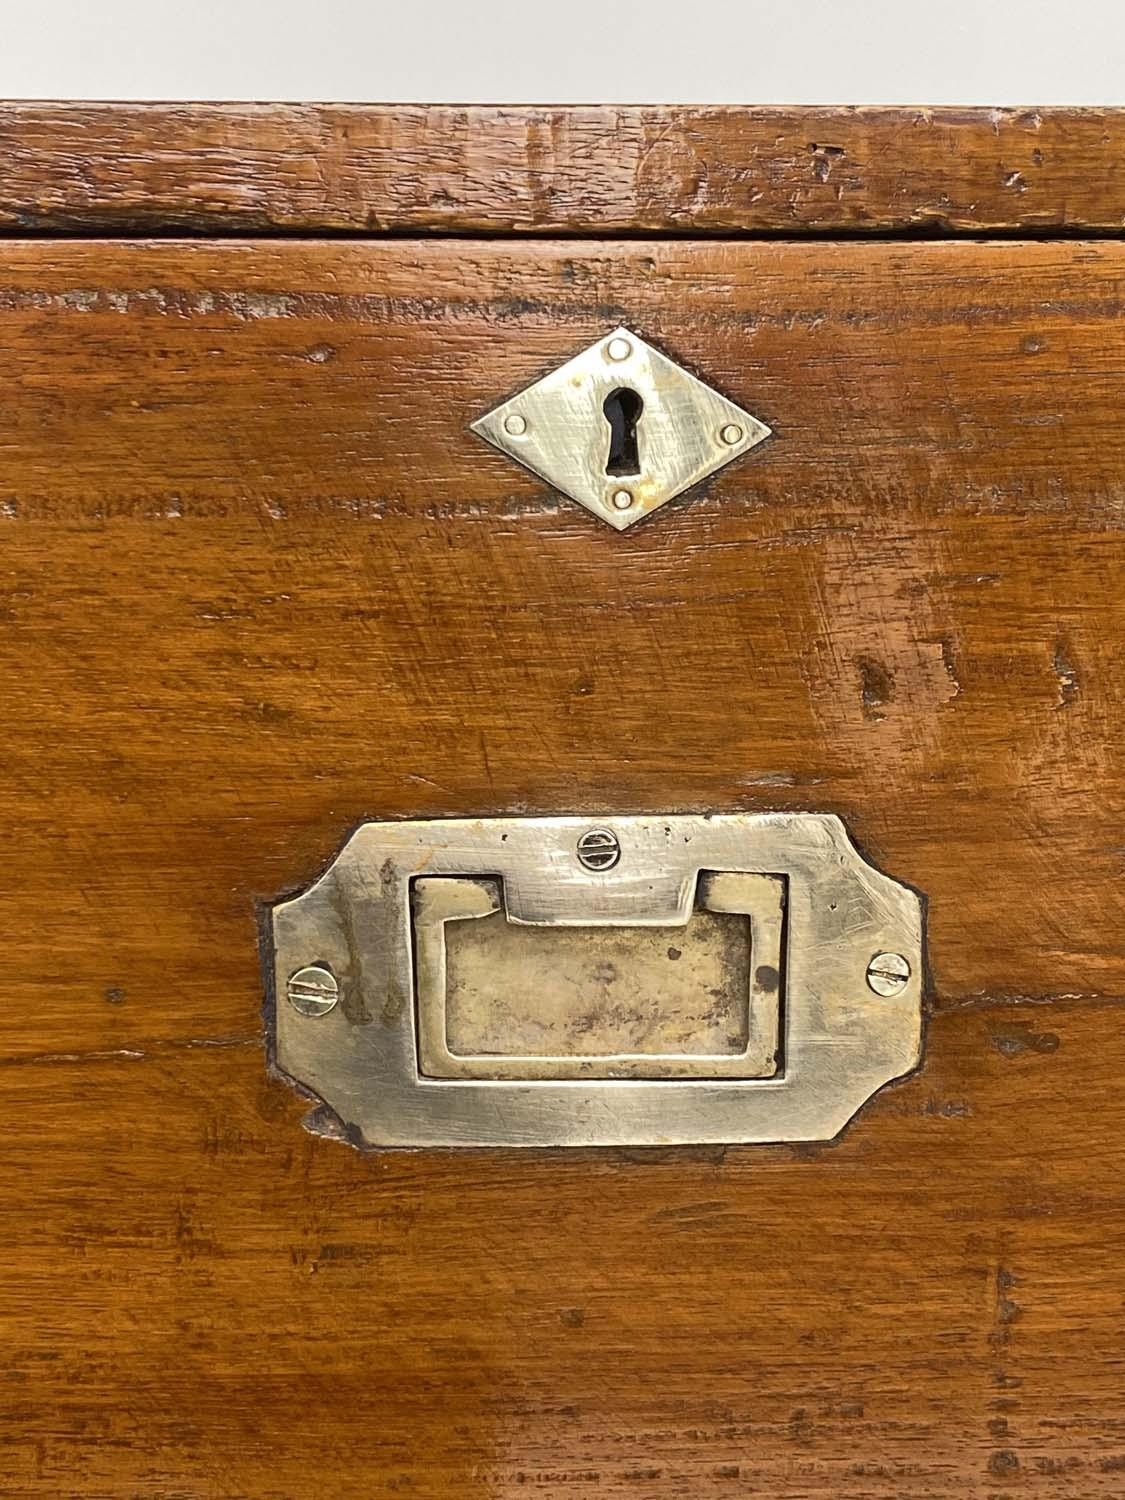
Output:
[[726, 979]]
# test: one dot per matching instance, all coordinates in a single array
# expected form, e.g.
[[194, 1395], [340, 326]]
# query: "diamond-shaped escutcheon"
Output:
[[621, 428]]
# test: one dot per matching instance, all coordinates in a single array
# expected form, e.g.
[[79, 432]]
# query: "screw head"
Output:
[[731, 434], [515, 425], [313, 991], [622, 499], [887, 973], [619, 349], [599, 849]]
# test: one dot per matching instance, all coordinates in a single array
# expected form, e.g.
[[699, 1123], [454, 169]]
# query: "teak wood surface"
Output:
[[259, 581], [574, 170]]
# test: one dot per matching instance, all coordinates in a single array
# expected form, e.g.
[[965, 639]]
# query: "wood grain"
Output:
[[370, 169], [202, 1300], [258, 581]]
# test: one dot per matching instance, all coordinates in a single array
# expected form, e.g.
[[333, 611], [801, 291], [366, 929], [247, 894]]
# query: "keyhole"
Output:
[[623, 410]]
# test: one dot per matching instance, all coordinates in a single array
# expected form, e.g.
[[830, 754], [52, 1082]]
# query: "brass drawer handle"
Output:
[[704, 979]]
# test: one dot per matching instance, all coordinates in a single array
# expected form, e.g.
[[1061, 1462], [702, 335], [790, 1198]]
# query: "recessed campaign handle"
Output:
[[635, 980]]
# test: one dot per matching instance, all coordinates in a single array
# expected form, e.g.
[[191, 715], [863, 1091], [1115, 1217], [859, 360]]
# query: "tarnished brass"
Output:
[[720, 979], [501, 999], [621, 428]]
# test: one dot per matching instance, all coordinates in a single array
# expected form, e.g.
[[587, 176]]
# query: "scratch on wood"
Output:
[[132, 1054], [993, 1001], [1066, 672]]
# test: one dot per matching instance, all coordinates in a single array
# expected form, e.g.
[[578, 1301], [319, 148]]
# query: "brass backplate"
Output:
[[638, 980]]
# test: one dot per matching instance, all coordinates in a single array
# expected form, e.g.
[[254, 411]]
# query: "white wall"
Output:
[[785, 51]]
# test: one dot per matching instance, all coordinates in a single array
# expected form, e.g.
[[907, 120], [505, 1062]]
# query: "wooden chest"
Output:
[[261, 582]]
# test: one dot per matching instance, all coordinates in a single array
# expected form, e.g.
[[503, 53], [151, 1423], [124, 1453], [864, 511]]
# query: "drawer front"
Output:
[[259, 581]]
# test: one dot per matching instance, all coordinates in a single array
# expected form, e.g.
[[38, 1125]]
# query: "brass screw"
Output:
[[887, 973], [731, 434], [599, 849], [619, 349], [313, 991], [622, 499], [515, 425]]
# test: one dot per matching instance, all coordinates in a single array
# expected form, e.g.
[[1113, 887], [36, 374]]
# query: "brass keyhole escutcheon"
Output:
[[621, 428]]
